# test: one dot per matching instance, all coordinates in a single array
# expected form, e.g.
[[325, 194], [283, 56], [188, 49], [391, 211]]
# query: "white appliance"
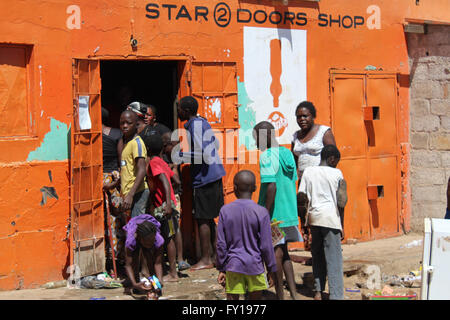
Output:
[[436, 260]]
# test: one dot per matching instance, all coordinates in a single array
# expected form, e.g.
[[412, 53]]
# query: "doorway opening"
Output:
[[150, 82]]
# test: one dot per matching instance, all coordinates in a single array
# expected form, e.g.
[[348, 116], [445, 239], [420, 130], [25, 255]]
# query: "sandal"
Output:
[[183, 265]]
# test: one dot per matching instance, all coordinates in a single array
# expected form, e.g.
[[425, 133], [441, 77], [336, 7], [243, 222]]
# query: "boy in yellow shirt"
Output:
[[134, 188]]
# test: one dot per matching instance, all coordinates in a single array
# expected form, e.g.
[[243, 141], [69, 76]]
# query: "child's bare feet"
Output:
[[318, 296], [170, 278]]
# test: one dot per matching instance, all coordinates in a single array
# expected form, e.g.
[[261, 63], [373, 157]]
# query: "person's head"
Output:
[[141, 110], [150, 116], [154, 144], [305, 113], [105, 115], [128, 123], [264, 135], [187, 107], [244, 184], [330, 155], [146, 234], [168, 144]]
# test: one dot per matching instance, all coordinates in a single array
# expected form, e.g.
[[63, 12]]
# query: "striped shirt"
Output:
[[134, 149]]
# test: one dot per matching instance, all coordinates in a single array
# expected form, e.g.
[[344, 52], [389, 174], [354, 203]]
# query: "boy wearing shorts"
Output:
[[206, 173], [278, 195], [244, 243]]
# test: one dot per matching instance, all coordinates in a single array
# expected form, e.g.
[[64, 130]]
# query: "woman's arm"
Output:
[[129, 257], [295, 156], [328, 138], [154, 262]]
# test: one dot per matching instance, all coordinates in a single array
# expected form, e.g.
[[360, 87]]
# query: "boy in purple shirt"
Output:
[[244, 243]]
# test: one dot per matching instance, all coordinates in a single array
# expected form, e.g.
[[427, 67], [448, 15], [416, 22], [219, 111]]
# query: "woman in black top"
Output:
[[112, 150], [153, 127]]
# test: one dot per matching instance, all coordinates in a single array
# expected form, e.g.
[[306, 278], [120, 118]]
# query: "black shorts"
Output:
[[208, 200], [169, 226]]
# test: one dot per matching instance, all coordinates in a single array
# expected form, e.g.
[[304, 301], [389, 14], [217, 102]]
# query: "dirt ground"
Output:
[[387, 254]]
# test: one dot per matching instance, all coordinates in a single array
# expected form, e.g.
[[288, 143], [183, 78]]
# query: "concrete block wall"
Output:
[[429, 62]]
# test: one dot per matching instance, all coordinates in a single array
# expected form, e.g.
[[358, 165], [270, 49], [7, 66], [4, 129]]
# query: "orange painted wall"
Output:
[[34, 249]]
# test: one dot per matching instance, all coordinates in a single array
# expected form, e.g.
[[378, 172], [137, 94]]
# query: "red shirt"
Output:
[[158, 166]]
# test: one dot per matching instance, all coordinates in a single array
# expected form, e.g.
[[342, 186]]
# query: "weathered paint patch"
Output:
[[213, 109], [55, 145], [48, 192], [247, 117]]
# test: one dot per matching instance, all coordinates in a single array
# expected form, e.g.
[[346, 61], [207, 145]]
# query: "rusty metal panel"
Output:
[[347, 114], [214, 84], [13, 91], [384, 212], [382, 130], [87, 219]]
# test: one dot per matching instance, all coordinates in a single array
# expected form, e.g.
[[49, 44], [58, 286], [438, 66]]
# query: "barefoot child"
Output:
[[278, 195], [326, 192], [142, 235], [163, 199], [244, 243], [206, 174]]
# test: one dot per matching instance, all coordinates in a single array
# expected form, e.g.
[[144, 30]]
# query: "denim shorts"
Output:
[[292, 234], [139, 205]]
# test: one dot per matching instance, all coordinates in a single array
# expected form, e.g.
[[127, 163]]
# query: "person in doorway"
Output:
[[143, 239], [141, 110], [278, 195], [326, 192], [163, 199], [134, 188], [152, 126], [112, 149], [447, 213], [244, 243], [307, 143], [206, 172]]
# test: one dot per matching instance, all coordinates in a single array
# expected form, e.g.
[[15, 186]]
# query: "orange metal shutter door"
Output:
[[348, 125], [87, 219], [383, 151], [348, 128], [384, 206], [382, 97]]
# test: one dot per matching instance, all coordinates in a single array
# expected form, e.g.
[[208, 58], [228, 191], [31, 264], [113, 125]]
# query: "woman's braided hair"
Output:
[[145, 228]]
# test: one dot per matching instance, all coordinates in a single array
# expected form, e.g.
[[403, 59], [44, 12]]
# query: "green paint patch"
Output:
[[247, 117], [55, 145]]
